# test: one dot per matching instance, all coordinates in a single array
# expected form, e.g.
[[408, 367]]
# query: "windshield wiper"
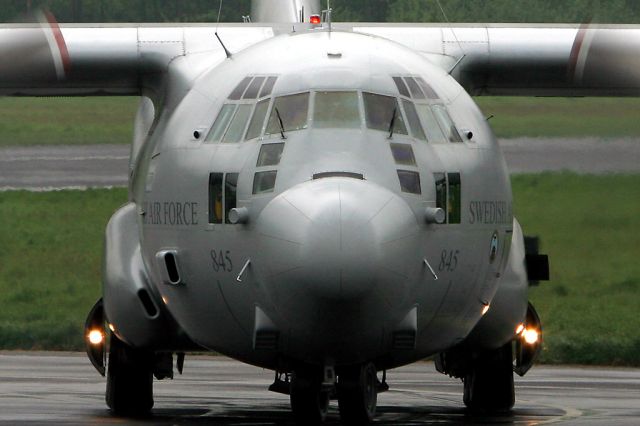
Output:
[[392, 125], [281, 125]]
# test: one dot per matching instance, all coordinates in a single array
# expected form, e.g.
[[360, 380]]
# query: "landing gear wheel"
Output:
[[129, 379], [489, 385], [358, 394], [309, 402]]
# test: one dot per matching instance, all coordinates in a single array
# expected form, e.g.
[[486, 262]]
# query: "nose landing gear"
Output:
[[358, 394], [309, 399], [356, 390]]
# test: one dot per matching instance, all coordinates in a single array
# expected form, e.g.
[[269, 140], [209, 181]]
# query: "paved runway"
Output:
[[60, 388], [70, 167], [588, 155], [43, 168]]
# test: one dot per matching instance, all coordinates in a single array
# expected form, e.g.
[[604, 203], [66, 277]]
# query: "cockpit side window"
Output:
[[427, 89], [336, 110], [416, 92], [383, 111], [235, 132], [430, 124], [257, 121], [292, 110], [221, 123], [240, 88], [254, 88], [446, 123], [402, 87], [268, 86], [414, 120]]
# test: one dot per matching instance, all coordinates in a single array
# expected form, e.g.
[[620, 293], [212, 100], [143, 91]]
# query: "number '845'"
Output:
[[221, 260], [448, 260]]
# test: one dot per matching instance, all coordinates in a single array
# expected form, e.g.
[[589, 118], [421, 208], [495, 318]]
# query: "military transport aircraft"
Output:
[[321, 199]]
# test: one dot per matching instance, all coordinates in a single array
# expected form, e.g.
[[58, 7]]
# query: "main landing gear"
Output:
[[129, 379], [356, 389], [488, 385]]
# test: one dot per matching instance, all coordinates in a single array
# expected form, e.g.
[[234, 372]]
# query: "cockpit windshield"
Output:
[[383, 113], [252, 112], [291, 111], [338, 110]]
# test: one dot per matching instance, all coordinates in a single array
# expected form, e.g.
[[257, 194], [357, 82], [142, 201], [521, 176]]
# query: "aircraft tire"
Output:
[[488, 387], [309, 402], [358, 395], [129, 379]]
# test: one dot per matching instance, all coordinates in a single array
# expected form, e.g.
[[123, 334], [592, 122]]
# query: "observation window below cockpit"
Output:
[[409, 182], [403, 154], [289, 113], [336, 110], [383, 113], [270, 154], [264, 182]]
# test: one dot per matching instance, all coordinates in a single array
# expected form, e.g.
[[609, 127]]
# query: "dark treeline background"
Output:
[[599, 11]]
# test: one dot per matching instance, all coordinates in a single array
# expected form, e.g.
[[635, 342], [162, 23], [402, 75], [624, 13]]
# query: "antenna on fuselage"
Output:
[[464, 55], [327, 15], [226, 51]]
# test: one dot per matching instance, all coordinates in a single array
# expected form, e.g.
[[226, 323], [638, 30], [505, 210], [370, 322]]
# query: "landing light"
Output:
[[112, 328], [96, 337], [485, 309], [530, 336], [520, 329], [315, 19]]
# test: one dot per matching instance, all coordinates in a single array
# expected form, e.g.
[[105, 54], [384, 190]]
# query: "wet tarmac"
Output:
[[63, 389]]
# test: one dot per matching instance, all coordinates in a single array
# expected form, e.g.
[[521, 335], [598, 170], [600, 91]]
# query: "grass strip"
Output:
[[589, 226], [50, 265], [67, 121]]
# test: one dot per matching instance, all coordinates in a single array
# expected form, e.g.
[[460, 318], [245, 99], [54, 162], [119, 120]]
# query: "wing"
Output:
[[543, 60], [49, 60], [555, 60]]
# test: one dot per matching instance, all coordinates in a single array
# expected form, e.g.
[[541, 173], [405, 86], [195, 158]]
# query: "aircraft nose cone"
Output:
[[337, 240]]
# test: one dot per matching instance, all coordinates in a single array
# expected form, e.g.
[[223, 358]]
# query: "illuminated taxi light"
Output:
[[520, 329], [530, 336], [96, 337], [315, 19], [485, 309], [112, 328]]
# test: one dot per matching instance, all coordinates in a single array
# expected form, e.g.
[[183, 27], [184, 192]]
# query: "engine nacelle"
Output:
[[131, 305]]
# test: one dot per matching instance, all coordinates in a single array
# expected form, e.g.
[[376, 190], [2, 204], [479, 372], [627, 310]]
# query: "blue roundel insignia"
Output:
[[493, 249]]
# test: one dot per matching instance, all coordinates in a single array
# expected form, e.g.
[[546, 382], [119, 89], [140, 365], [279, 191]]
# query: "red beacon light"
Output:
[[315, 19]]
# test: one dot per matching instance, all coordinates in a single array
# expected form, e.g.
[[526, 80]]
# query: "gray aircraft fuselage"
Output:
[[335, 256]]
